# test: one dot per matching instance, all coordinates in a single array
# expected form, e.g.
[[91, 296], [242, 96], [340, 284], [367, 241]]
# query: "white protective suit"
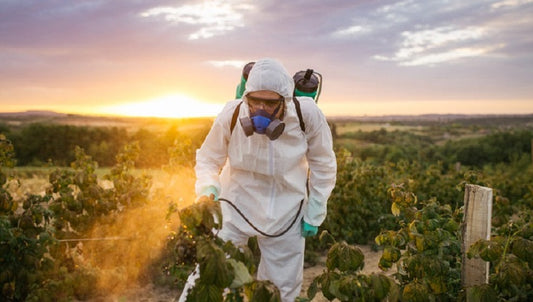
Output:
[[267, 179]]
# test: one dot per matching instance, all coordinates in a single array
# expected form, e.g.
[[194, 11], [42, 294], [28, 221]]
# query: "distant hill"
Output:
[[42, 113], [438, 118], [20, 119], [46, 116]]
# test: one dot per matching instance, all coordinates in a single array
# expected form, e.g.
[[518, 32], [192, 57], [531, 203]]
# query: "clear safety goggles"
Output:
[[267, 103]]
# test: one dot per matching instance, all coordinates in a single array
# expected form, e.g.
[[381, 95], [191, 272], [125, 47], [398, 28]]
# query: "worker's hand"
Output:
[[208, 193], [308, 230]]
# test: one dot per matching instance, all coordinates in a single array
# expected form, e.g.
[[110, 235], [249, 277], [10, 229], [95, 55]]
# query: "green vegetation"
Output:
[[399, 187], [341, 280], [51, 144]]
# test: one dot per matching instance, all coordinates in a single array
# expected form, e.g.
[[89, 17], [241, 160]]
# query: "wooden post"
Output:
[[476, 225]]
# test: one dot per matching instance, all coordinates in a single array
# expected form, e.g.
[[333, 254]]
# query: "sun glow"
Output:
[[171, 106]]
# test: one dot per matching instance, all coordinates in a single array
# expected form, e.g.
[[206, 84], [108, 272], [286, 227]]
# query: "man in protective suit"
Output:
[[267, 166]]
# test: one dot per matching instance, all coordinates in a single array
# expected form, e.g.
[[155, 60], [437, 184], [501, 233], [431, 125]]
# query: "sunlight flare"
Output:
[[168, 106]]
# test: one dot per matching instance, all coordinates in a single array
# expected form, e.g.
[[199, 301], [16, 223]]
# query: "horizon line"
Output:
[[58, 113]]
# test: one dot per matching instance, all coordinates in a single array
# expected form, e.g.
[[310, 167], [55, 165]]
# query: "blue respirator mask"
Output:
[[262, 122]]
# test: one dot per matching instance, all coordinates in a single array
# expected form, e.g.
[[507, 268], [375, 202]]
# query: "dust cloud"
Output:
[[126, 244]]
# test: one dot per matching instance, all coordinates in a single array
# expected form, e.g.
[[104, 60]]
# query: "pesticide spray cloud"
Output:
[[128, 243]]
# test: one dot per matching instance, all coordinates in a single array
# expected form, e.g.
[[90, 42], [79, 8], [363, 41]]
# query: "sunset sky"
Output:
[[184, 58]]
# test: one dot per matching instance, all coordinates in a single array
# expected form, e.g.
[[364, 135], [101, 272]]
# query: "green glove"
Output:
[[308, 230], [210, 192]]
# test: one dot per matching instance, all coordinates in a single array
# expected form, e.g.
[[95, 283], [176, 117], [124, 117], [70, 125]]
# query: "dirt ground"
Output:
[[153, 294]]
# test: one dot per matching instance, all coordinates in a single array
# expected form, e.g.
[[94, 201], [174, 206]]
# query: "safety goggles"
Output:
[[268, 103]]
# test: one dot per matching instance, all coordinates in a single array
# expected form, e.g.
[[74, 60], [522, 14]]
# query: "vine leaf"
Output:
[[206, 292], [262, 291], [395, 209], [242, 276], [345, 258], [482, 293], [214, 269]]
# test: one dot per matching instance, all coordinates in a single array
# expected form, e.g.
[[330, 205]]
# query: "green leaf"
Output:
[[206, 293], [512, 272], [334, 290], [491, 251], [262, 291], [391, 254], [385, 238], [384, 264], [523, 249], [395, 209], [486, 249], [415, 292], [481, 293], [326, 282], [214, 269], [345, 258], [242, 276], [380, 287], [312, 290], [451, 226], [438, 285], [419, 242], [326, 239], [202, 217]]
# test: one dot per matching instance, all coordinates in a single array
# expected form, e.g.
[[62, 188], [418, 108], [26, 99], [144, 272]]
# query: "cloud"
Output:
[[510, 3], [377, 20], [414, 33], [438, 45], [231, 63], [397, 12], [454, 54], [354, 30], [214, 17], [105, 48]]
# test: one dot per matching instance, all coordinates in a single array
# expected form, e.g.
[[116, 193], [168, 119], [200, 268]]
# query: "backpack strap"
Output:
[[299, 112], [234, 117], [296, 104]]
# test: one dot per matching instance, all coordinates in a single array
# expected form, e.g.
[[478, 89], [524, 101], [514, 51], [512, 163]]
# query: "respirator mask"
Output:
[[262, 122]]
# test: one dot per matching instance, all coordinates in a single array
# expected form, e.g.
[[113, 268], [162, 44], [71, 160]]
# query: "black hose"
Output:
[[258, 230]]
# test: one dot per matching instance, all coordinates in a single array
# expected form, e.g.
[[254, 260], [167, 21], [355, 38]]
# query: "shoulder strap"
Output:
[[299, 112], [234, 117]]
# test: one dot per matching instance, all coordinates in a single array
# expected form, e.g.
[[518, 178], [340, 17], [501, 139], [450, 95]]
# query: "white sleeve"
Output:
[[211, 156], [322, 164]]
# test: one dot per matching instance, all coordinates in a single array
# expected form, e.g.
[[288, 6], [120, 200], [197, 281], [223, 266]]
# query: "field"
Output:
[[102, 218], [34, 180]]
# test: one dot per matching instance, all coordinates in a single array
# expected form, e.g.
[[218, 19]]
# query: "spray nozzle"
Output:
[[308, 74]]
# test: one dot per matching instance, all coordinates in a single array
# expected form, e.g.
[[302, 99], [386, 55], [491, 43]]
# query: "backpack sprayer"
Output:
[[244, 77], [306, 83]]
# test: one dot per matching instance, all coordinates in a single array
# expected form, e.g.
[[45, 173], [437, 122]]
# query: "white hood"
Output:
[[269, 74]]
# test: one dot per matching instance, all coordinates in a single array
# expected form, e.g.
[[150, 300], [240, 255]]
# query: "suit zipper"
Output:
[[272, 184]]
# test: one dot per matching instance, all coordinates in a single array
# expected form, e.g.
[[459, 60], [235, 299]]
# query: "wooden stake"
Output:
[[477, 224]]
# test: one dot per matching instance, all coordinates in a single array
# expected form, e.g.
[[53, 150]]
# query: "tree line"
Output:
[[40, 144], [496, 146]]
